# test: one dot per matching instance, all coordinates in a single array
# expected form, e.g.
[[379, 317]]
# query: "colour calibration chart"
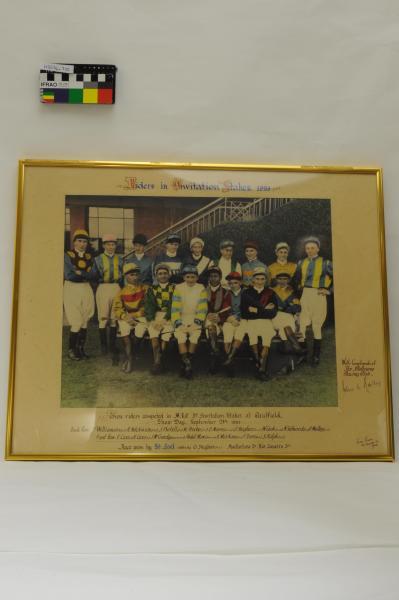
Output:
[[77, 84]]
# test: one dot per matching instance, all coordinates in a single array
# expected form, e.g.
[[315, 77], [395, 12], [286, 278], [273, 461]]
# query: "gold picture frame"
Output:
[[340, 409]]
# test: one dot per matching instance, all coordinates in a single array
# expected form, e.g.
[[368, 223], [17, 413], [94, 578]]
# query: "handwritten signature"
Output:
[[367, 442], [367, 385]]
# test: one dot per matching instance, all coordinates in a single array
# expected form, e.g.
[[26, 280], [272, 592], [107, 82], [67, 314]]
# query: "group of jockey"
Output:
[[185, 297]]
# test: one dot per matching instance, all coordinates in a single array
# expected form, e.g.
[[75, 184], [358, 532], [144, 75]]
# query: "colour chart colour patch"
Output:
[[77, 84]]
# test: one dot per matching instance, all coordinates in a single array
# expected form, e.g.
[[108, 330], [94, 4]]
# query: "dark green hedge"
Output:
[[290, 223]]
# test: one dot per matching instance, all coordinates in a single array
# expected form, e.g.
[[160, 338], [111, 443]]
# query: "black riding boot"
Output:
[[262, 373], [215, 354], [73, 351], [285, 347], [296, 348], [136, 346], [112, 345], [127, 366], [187, 369], [316, 353], [81, 343], [229, 362], [103, 340], [231, 355], [156, 350], [255, 353], [309, 344]]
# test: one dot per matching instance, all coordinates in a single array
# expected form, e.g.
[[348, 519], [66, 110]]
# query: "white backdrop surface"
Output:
[[312, 82]]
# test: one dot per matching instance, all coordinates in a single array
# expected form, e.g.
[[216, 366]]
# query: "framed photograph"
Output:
[[168, 311]]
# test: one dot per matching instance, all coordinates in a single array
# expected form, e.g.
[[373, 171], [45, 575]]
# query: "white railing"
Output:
[[217, 212]]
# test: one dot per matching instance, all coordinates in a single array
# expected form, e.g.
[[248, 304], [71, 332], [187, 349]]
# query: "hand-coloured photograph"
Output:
[[199, 312], [186, 301]]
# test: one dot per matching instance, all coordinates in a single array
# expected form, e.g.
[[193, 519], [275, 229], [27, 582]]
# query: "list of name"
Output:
[[199, 431]]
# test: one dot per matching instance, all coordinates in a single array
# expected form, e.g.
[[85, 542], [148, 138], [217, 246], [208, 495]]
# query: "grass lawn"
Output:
[[96, 383]]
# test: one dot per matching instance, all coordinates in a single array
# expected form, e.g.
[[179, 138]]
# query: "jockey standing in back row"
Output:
[[108, 266], [226, 262], [197, 258], [282, 265], [251, 252], [170, 257], [78, 294], [140, 258], [313, 277]]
